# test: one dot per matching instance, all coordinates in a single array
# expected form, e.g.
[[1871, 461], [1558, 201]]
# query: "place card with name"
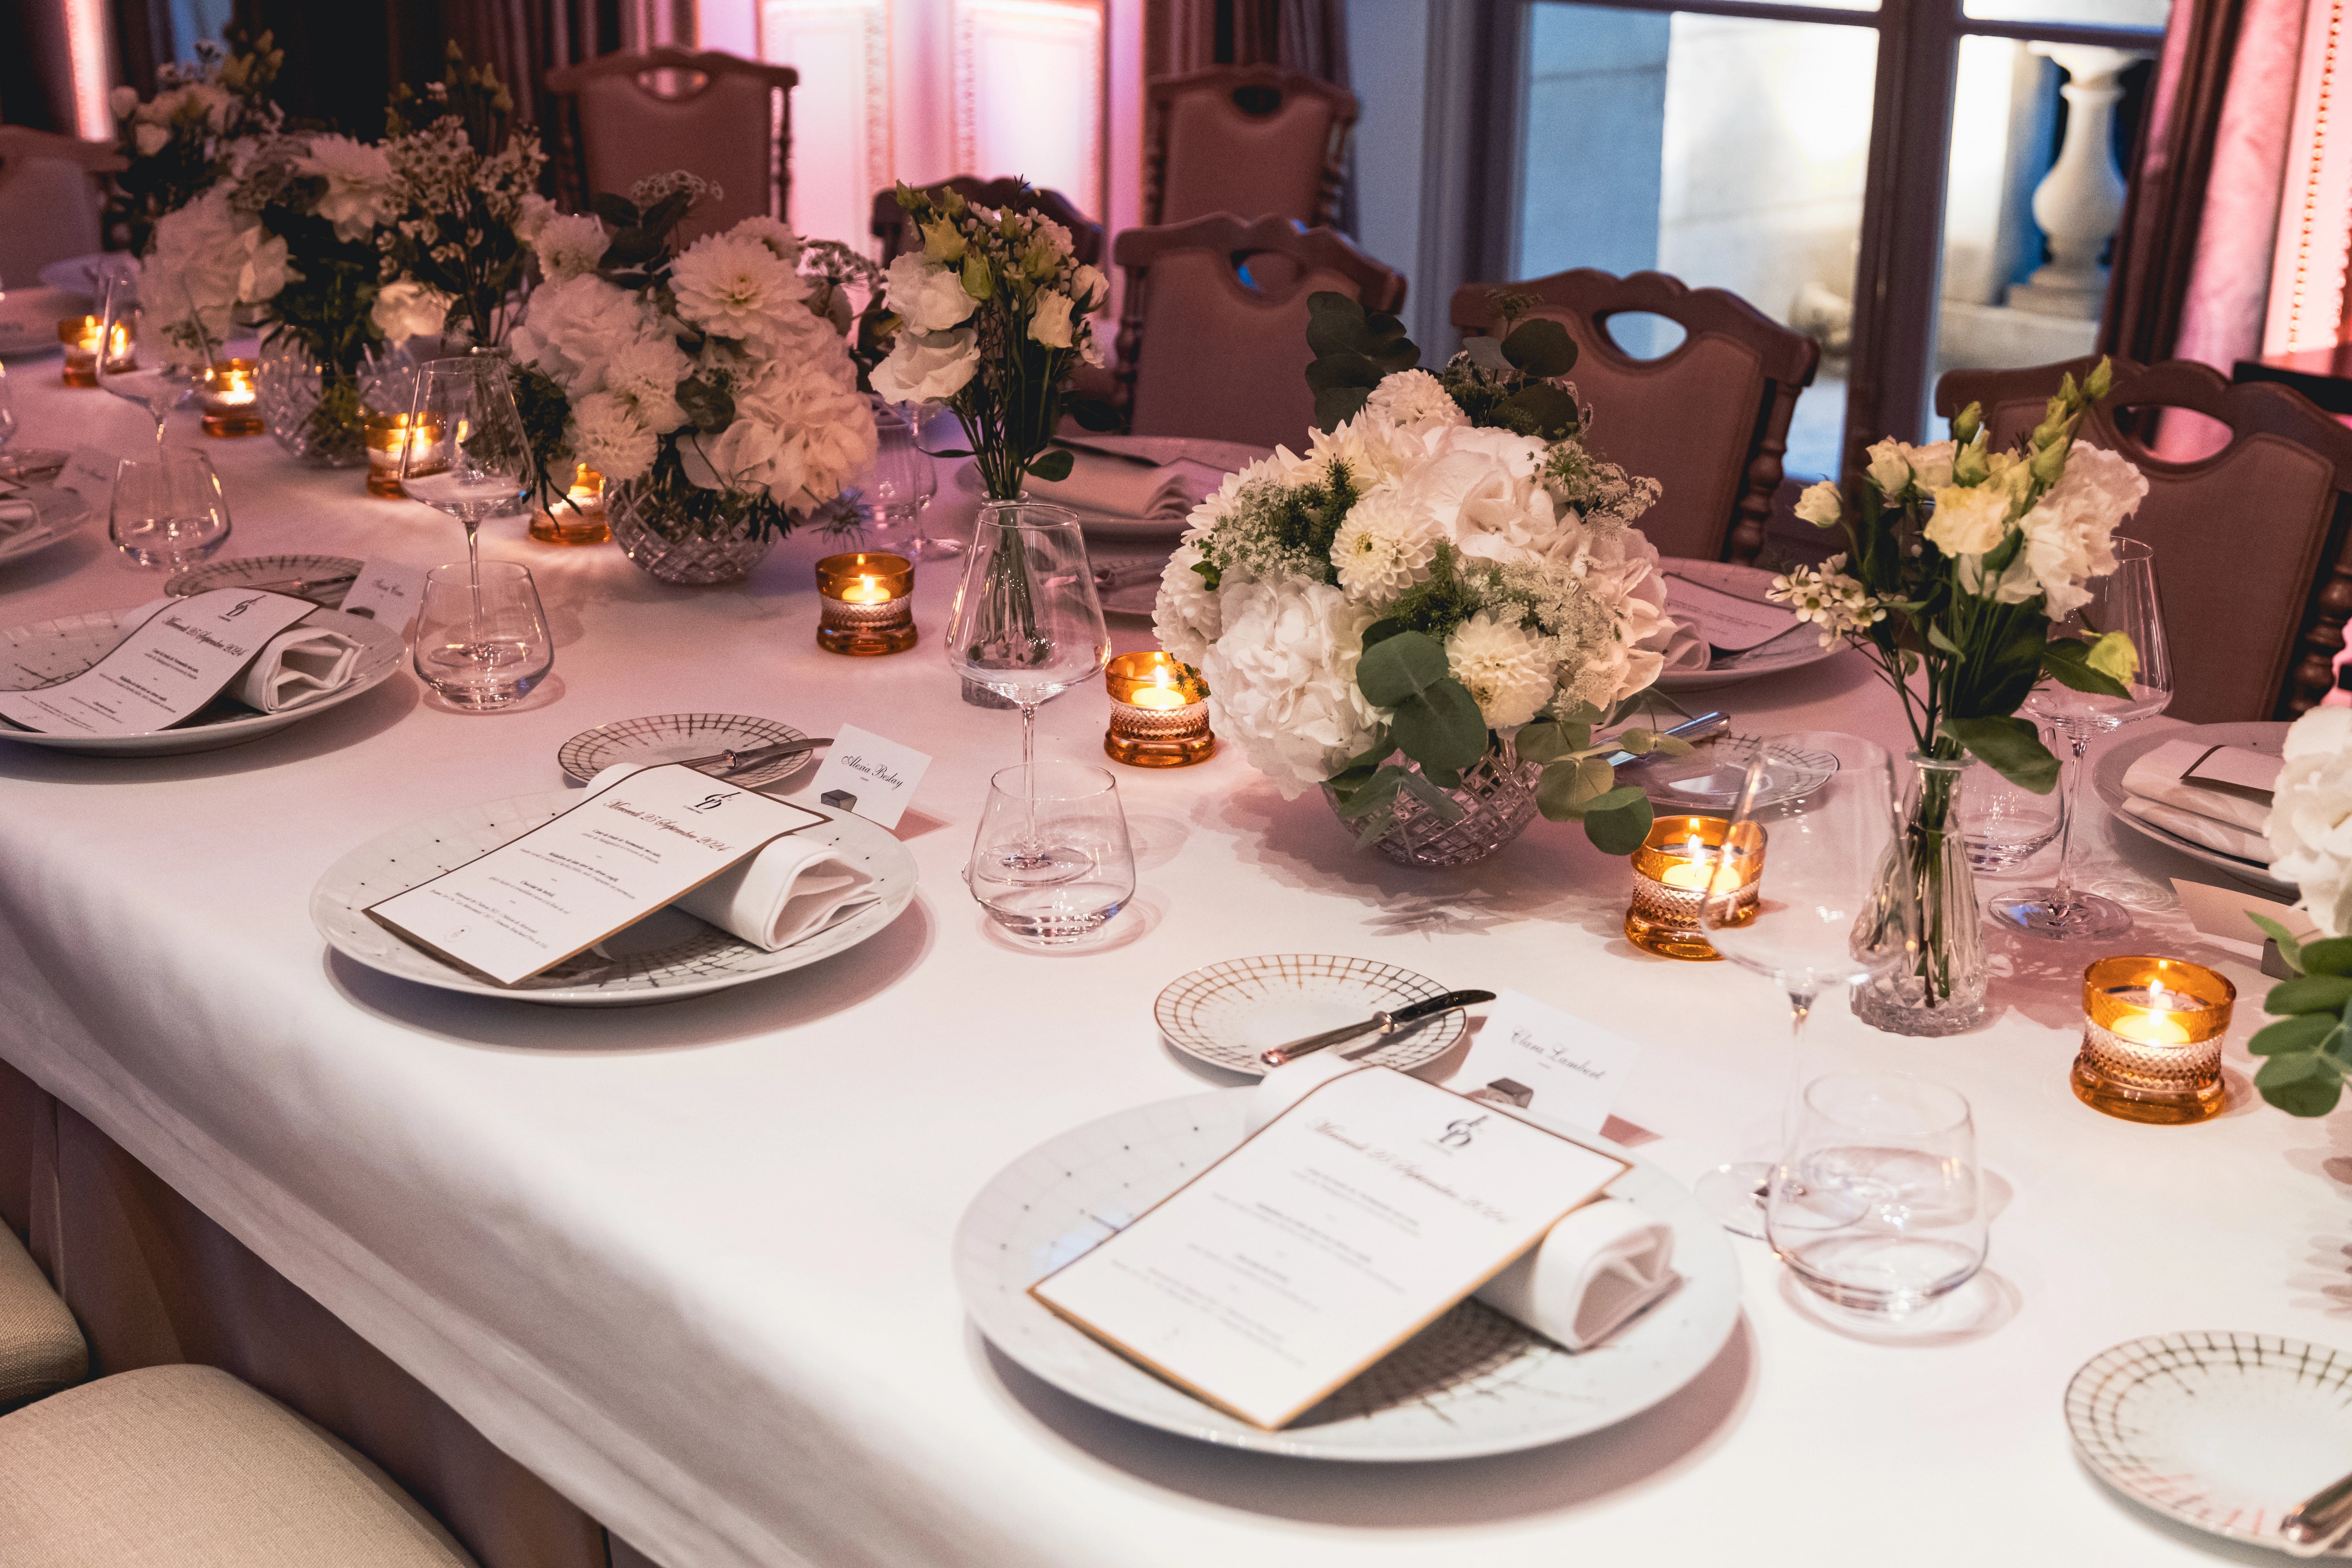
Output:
[[90, 474], [1325, 1241], [1576, 1069], [879, 775], [169, 666], [638, 844], [385, 591]]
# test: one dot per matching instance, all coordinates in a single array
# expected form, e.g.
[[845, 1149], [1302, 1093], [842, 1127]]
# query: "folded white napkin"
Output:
[[2159, 778], [2205, 830], [792, 889], [1687, 651], [1582, 1282], [18, 517], [297, 666], [1120, 489]]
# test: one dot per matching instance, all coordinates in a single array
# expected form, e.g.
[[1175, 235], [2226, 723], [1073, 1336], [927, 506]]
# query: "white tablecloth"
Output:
[[691, 1262]]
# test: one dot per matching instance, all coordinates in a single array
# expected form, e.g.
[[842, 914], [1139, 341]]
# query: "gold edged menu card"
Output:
[[1338, 1232], [639, 843], [169, 666]]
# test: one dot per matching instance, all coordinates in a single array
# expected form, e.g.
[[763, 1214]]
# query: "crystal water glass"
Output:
[[1052, 863], [481, 634], [1879, 1207], [168, 510]]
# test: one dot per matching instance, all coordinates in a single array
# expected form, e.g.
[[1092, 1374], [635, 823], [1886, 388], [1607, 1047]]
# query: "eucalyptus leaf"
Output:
[[2011, 747], [2305, 1033], [1569, 785], [2310, 993], [1541, 348], [618, 211], [2303, 1084], [1445, 805], [1552, 411], [2290, 950], [2330, 955], [1401, 667], [1487, 353], [1543, 741], [1442, 728], [1619, 821], [1053, 466], [1091, 413]]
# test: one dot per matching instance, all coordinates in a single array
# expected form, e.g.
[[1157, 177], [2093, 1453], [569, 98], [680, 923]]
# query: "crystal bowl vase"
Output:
[[316, 411], [671, 548], [1497, 798]]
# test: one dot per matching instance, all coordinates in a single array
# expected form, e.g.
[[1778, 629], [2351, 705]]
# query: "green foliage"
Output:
[[2067, 660], [1354, 348], [1435, 720], [2308, 1050], [2011, 747]]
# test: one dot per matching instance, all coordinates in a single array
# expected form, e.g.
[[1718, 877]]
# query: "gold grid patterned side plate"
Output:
[[1225, 1014], [675, 737], [243, 571]]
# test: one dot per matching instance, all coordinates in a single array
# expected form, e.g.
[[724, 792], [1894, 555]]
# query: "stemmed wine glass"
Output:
[[1827, 913], [466, 454], [157, 381], [1026, 624], [2123, 601]]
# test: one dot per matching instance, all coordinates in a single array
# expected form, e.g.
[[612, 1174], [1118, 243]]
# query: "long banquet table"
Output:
[[690, 1263]]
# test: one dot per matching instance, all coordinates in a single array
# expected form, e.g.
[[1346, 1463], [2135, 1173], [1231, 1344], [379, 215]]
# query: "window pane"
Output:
[[2087, 12], [1727, 151]]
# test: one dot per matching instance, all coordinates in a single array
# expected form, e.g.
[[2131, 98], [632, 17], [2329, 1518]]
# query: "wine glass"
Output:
[[156, 379], [1027, 627], [2123, 601], [1827, 913], [466, 455]]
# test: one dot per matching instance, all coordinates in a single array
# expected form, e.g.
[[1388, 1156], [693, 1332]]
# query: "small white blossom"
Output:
[[1829, 598]]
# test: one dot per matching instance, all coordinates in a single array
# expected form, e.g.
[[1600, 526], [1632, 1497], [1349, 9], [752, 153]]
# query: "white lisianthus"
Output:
[[361, 193], [646, 372], [1503, 666], [607, 434], [1414, 400], [2310, 826], [1969, 519], [1089, 288], [122, 100], [1049, 319], [1888, 468], [149, 138], [2070, 533], [1930, 465], [1384, 547], [408, 309], [928, 367], [1185, 616], [1283, 677], [570, 247], [928, 297], [1821, 505], [733, 286]]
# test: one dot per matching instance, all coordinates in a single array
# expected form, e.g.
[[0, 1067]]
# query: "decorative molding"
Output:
[[2306, 298], [831, 42], [988, 101]]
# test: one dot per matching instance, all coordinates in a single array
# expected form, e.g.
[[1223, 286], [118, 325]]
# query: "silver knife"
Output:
[[1706, 727], [1381, 1023], [2319, 1520], [736, 762]]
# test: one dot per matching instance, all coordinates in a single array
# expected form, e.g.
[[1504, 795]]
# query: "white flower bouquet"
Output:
[[2308, 1050], [1448, 573], [707, 377], [204, 123]]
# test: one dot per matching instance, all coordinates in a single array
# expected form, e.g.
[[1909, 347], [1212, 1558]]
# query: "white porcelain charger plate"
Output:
[[50, 651], [244, 571], [676, 737], [1473, 1382], [2222, 1431], [1225, 1014], [1796, 650], [667, 955], [1211, 462], [2107, 779], [60, 514], [29, 318]]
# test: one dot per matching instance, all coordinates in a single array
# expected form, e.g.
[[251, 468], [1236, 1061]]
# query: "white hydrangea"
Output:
[[1185, 616], [361, 193], [570, 247], [206, 259], [1282, 676], [1384, 547], [574, 328], [1482, 489], [800, 430], [2310, 826], [2070, 533], [734, 285], [1414, 400], [1506, 668], [607, 434]]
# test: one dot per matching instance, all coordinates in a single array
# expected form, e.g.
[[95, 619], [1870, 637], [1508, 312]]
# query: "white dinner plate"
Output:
[[676, 737], [77, 277], [29, 318], [62, 513], [2107, 781], [50, 651], [244, 571], [667, 955], [2225, 1432], [1225, 1014], [1796, 650], [1473, 1382]]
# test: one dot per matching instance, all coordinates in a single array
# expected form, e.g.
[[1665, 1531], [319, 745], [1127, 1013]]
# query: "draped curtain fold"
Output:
[[526, 38], [1309, 35]]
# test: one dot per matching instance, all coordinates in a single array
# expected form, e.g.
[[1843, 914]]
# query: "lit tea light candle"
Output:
[[232, 399], [1683, 863], [2152, 1031], [1159, 713], [79, 335], [580, 519], [866, 603], [391, 437]]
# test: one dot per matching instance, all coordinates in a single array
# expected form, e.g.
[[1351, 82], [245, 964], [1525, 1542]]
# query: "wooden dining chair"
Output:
[[1708, 419], [48, 188], [627, 116], [2250, 541], [1209, 344], [1256, 140], [889, 224]]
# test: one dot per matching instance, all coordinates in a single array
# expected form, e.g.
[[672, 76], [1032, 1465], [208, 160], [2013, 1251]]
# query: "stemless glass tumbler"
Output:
[[1050, 862], [167, 509], [482, 642]]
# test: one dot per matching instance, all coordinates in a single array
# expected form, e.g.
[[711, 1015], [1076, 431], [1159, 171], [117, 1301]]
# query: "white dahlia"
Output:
[[732, 285], [1504, 666], [607, 434], [570, 247], [1185, 616], [1384, 547], [1414, 400]]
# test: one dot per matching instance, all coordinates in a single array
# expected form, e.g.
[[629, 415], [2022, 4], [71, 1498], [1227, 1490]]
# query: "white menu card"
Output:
[[171, 665], [1726, 621], [627, 849], [1325, 1241]]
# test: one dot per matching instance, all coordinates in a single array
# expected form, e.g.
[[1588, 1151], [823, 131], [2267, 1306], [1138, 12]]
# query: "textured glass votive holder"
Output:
[[231, 398], [1159, 713], [581, 522], [2152, 1031], [80, 336], [868, 604], [389, 437], [1672, 871]]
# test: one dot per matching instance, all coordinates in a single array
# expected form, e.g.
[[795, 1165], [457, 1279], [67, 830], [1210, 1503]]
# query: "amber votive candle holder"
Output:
[[1159, 713], [868, 601], [80, 336], [389, 438], [231, 398], [1682, 864], [2152, 1031], [582, 521]]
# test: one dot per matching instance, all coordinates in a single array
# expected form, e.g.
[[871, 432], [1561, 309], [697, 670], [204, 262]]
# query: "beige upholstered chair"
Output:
[[890, 223], [48, 189], [1258, 141], [727, 119], [41, 1349], [1208, 346], [1708, 419], [2252, 564]]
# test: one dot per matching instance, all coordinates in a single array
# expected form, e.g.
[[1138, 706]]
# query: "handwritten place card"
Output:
[[881, 775], [2235, 767], [385, 591], [641, 842], [169, 666], [1576, 1068], [90, 474], [1325, 1241]]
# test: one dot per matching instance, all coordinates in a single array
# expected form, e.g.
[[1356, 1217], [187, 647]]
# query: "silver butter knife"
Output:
[[736, 762], [1380, 1024], [1706, 727], [2319, 1520]]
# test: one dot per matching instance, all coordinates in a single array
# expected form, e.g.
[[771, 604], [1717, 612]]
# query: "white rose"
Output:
[[928, 367], [927, 296], [2310, 826], [1504, 666], [1969, 520], [1888, 468], [1820, 504], [406, 309], [1049, 319], [1282, 678]]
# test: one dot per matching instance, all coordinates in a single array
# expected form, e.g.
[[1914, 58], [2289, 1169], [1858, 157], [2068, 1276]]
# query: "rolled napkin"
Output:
[[792, 889], [2248, 847], [1584, 1281], [297, 666], [18, 517], [1119, 489], [2162, 778]]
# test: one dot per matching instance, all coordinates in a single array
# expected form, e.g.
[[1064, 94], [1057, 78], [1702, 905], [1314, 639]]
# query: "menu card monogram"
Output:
[[639, 843], [177, 659], [1314, 1248]]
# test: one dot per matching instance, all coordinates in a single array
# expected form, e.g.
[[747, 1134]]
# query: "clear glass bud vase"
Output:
[[1939, 989]]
